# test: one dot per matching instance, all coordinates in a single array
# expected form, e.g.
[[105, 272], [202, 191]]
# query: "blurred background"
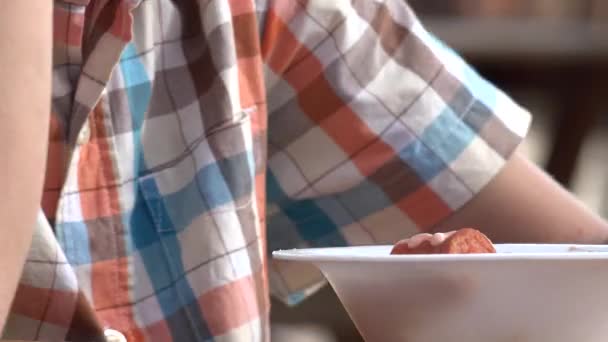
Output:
[[551, 56]]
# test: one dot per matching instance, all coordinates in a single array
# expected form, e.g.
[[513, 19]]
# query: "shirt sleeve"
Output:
[[376, 130]]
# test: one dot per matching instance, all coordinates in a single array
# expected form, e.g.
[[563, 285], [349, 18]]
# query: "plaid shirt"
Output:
[[190, 138]]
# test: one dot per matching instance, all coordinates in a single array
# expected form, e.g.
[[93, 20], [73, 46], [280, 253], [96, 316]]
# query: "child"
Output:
[[190, 138]]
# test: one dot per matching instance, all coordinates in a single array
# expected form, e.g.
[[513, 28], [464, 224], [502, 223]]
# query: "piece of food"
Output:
[[462, 241]]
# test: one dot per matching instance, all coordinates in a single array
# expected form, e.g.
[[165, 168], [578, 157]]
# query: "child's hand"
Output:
[[433, 239]]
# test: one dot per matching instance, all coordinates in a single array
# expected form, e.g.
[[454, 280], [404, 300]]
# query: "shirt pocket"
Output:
[[215, 176]]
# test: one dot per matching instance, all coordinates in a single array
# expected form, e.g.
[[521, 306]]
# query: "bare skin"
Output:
[[523, 204], [25, 89]]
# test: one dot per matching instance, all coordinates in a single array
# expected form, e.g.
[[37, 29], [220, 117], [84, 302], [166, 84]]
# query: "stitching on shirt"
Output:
[[153, 202], [158, 168], [158, 217], [155, 205], [95, 128]]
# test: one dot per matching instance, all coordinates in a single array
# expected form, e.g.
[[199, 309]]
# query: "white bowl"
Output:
[[539, 293]]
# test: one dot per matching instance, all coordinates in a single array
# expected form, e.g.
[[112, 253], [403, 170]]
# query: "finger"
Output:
[[439, 238], [417, 239]]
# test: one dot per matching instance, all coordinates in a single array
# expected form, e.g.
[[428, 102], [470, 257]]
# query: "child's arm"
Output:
[[25, 90], [523, 204]]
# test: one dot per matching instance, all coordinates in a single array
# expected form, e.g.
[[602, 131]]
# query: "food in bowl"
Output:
[[462, 241]]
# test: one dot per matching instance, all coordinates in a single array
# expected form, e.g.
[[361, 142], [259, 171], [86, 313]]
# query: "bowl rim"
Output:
[[328, 254]]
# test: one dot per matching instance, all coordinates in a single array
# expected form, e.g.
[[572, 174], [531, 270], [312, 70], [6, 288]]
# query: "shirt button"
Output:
[[112, 335], [84, 135]]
